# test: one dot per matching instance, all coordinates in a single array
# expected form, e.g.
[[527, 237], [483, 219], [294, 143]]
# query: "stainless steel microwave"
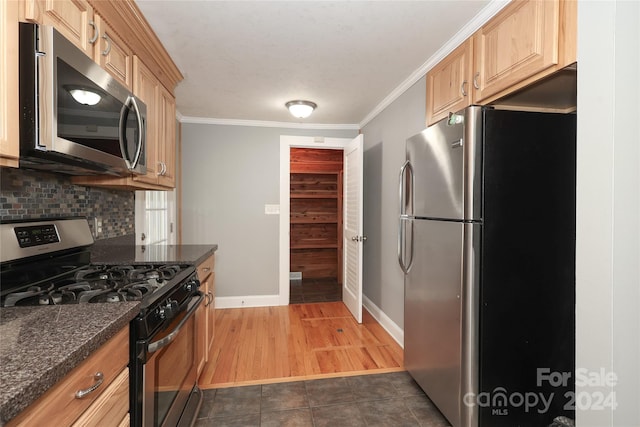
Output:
[[75, 118]]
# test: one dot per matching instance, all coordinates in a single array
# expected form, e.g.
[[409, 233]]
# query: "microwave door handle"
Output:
[[140, 133], [123, 130], [130, 104]]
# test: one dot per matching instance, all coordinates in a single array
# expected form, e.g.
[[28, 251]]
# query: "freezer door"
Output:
[[440, 344], [445, 165]]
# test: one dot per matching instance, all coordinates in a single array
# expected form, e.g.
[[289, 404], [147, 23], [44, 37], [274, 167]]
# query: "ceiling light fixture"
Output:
[[301, 109], [85, 96]]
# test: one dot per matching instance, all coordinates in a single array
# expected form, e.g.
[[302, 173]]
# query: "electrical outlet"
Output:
[[295, 275], [97, 226]]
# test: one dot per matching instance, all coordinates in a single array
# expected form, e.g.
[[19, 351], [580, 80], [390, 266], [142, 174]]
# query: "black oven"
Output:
[[163, 359]]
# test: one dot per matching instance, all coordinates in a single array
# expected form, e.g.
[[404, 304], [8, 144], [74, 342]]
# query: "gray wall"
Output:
[[384, 154], [608, 208], [228, 174]]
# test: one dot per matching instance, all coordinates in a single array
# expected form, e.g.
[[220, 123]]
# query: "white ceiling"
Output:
[[242, 60]]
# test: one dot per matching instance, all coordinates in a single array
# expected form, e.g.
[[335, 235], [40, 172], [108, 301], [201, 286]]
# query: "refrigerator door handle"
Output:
[[405, 192], [402, 221]]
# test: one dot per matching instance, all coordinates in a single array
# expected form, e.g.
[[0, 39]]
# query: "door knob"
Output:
[[354, 238]]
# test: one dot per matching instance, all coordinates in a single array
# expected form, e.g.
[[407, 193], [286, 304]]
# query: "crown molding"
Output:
[[267, 124], [465, 32]]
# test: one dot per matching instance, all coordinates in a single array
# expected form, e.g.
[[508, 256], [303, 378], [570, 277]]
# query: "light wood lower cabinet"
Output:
[[205, 317], [9, 142], [107, 405]]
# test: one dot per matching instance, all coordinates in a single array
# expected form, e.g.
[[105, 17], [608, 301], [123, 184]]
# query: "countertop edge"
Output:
[[31, 392]]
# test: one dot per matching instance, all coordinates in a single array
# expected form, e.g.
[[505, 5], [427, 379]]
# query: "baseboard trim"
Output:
[[247, 301], [396, 332]]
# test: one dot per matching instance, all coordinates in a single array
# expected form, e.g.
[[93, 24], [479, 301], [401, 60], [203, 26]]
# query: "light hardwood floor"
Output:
[[296, 342]]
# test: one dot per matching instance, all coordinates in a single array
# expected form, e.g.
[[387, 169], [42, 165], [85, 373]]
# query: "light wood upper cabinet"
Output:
[[449, 87], [145, 87], [9, 133], [72, 18], [525, 42], [167, 138], [161, 134], [112, 53], [521, 41]]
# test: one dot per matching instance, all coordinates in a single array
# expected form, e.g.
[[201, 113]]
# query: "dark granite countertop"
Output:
[[130, 254], [40, 345]]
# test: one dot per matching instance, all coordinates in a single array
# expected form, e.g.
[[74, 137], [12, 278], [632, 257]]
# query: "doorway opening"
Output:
[[315, 246]]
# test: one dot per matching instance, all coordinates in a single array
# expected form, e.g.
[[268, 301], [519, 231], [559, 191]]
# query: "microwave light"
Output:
[[85, 97]]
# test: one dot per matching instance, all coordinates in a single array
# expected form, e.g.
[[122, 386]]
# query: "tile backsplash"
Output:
[[28, 194]]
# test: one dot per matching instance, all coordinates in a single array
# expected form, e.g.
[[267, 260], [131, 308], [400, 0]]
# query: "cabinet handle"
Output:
[[475, 80], [462, 88], [99, 377], [93, 39], [163, 168], [108, 48]]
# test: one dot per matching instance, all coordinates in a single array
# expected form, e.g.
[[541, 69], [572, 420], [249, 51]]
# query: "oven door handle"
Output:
[[157, 345]]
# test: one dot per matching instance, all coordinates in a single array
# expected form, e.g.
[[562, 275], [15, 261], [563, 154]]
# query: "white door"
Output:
[[353, 236], [155, 218]]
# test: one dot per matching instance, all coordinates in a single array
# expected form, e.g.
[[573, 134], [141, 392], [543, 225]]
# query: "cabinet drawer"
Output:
[[205, 268], [59, 405], [111, 406]]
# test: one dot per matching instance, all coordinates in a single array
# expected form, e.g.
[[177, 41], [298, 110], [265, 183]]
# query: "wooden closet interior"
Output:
[[316, 213]]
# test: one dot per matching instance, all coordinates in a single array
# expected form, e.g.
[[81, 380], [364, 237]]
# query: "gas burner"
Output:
[[30, 293], [99, 283]]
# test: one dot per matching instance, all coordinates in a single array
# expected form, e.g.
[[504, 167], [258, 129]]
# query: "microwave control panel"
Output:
[[36, 235]]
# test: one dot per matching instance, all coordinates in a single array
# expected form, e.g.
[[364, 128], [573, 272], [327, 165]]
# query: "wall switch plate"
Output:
[[272, 209], [295, 275]]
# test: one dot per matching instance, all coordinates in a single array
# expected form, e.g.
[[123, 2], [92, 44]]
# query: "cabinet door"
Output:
[[9, 145], [112, 53], [72, 18], [166, 138], [145, 87], [211, 312], [201, 338], [449, 86], [519, 42], [59, 406]]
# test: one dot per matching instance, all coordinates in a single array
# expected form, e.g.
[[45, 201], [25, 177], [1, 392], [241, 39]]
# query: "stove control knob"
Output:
[[160, 313], [191, 285], [171, 308]]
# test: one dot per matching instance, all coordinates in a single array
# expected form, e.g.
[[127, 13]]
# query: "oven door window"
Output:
[[170, 375]]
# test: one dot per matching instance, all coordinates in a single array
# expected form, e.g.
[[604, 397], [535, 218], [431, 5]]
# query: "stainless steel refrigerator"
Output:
[[487, 244]]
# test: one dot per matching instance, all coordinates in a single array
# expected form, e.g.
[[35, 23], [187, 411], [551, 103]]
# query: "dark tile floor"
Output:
[[314, 290], [383, 400]]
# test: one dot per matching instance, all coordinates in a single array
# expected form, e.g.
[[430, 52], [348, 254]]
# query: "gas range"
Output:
[[47, 262], [96, 284]]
